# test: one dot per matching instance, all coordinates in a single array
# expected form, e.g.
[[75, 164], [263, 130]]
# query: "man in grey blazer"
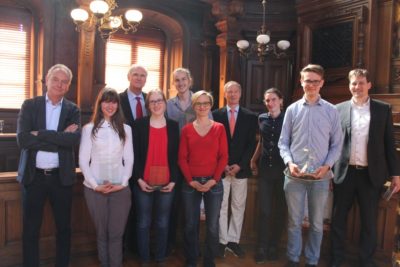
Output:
[[48, 130], [368, 159]]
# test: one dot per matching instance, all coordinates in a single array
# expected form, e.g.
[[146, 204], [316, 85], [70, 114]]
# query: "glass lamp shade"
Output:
[[99, 7], [79, 14], [242, 44], [283, 44], [263, 39], [133, 15]]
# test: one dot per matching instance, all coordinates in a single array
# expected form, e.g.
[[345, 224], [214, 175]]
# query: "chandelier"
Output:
[[101, 18], [263, 48]]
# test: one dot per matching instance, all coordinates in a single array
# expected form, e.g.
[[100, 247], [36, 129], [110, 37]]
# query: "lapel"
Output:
[[373, 119], [225, 122], [42, 113], [347, 118], [126, 106], [63, 116]]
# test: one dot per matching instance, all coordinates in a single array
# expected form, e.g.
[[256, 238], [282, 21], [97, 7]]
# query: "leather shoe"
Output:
[[292, 264]]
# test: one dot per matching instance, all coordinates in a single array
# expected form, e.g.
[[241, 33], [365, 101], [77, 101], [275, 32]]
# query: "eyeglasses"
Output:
[[312, 82], [156, 102], [202, 104]]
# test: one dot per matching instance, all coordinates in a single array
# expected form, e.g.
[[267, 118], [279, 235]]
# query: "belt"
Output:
[[358, 167], [48, 172]]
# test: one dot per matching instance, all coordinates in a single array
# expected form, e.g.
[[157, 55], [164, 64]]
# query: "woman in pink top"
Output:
[[203, 155]]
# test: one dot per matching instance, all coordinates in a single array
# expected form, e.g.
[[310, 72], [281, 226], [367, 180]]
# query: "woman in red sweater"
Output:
[[203, 155]]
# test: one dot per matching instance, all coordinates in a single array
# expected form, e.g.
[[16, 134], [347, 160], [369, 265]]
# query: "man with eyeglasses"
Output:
[[240, 127], [368, 159], [310, 143]]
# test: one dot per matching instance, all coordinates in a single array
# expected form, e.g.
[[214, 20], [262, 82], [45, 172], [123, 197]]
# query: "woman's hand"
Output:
[[196, 185], [253, 167], [103, 188], [115, 188], [207, 186], [144, 186], [168, 188]]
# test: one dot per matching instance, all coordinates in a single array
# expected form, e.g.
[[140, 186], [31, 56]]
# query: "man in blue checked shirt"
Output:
[[309, 144]]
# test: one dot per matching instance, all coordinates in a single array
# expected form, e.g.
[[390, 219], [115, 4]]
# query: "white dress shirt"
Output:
[[44, 159], [360, 118], [105, 157]]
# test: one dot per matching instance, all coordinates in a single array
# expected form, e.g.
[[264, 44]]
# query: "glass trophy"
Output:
[[308, 167]]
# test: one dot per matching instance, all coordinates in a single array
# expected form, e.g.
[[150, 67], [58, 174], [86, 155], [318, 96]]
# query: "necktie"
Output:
[[139, 111], [232, 122]]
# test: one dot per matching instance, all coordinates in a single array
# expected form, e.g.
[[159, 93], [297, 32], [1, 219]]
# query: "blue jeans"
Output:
[[212, 204], [162, 203], [317, 194]]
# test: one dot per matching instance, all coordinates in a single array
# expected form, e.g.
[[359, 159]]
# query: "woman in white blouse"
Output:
[[106, 161]]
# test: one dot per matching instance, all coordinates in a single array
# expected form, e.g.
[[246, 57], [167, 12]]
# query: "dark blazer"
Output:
[[126, 107], [241, 145], [382, 157], [141, 143], [32, 117]]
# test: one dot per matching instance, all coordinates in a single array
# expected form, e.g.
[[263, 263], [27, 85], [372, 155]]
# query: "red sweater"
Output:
[[203, 155]]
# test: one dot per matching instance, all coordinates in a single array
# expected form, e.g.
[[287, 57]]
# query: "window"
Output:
[[123, 51], [15, 57]]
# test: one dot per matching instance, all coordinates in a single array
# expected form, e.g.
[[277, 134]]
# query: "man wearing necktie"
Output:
[[240, 125], [132, 103]]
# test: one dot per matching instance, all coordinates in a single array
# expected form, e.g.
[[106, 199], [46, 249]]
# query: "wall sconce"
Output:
[[263, 48], [101, 17]]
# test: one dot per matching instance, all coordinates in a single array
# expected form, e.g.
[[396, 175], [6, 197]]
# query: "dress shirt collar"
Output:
[[49, 101], [362, 106], [228, 109], [305, 102], [132, 96]]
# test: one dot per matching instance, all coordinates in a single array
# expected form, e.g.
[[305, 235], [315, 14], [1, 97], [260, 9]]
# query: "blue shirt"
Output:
[[315, 127], [176, 113]]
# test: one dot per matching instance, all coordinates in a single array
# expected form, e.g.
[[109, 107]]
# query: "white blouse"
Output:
[[105, 157]]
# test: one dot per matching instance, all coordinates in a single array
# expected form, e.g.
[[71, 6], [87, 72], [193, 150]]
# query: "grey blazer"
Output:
[[381, 150]]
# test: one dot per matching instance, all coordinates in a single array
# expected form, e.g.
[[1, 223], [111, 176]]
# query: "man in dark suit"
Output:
[[133, 106], [368, 158], [240, 125], [48, 130]]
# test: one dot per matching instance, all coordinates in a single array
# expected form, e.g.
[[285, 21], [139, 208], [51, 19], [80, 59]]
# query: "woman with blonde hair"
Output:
[[203, 155]]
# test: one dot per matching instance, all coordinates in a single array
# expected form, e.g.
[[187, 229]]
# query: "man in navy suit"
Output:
[[368, 158], [48, 130], [240, 125], [133, 106]]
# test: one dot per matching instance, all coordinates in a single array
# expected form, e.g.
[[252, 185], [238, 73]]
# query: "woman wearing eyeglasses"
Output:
[[156, 141], [203, 155]]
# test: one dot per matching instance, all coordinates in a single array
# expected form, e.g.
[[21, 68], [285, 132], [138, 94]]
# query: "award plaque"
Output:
[[158, 177]]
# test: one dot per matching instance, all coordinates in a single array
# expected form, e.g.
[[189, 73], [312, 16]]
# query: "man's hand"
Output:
[[71, 128], [35, 133], [294, 169], [232, 170], [321, 172]]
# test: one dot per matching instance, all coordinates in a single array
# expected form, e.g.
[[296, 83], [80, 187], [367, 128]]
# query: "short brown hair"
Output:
[[318, 69], [152, 92], [359, 73]]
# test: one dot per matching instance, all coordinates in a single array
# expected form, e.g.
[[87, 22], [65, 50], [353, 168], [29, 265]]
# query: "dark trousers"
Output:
[[272, 212], [176, 213], [34, 198], [212, 205], [356, 185]]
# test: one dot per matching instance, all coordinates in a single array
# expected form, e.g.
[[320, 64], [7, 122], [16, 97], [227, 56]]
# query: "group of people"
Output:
[[145, 159]]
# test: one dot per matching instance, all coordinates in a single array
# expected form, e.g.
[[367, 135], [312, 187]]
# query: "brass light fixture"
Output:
[[263, 48], [101, 17]]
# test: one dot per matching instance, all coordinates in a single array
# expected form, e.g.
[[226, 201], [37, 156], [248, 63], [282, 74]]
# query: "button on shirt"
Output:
[[133, 103], [270, 130], [360, 118], [315, 127], [44, 159]]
